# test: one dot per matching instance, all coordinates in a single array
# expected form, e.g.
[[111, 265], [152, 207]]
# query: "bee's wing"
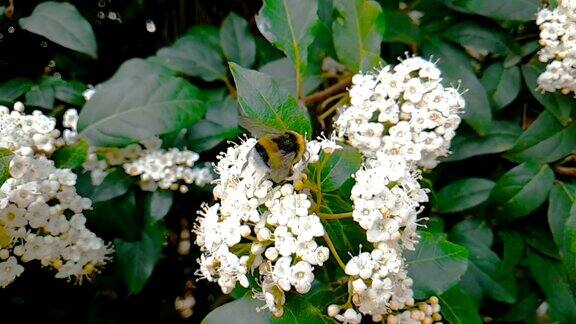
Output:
[[257, 128], [281, 172]]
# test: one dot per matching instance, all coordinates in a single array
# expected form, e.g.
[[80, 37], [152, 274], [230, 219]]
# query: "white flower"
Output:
[[9, 270], [349, 317], [302, 276]]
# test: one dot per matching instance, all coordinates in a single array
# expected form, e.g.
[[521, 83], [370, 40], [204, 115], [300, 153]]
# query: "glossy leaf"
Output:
[[358, 33], [236, 40], [193, 56], [157, 204], [482, 39], [138, 259], [71, 156], [502, 84], [521, 190], [336, 168], [521, 10], [61, 23], [399, 28], [436, 265], [456, 68], [458, 308], [41, 95], [463, 194], [485, 267], [124, 224], [500, 137], [116, 183], [545, 141], [5, 158], [131, 107], [239, 311], [282, 71], [262, 100], [13, 89]]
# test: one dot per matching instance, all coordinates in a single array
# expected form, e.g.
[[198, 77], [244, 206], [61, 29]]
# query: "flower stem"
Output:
[[335, 216], [334, 253]]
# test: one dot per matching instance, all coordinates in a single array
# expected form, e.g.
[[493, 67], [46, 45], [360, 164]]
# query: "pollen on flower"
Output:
[[258, 226], [402, 119], [558, 42], [36, 199]]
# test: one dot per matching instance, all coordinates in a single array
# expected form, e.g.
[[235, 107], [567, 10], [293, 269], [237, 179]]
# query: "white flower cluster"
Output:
[[258, 224], [157, 168], [40, 212], [401, 119], [558, 41]]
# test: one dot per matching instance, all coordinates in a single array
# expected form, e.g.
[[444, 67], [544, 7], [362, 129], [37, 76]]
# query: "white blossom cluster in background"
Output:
[[558, 41], [402, 119], [40, 212], [156, 167], [257, 224]]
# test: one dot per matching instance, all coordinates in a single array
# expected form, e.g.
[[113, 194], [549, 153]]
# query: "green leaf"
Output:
[[346, 235], [157, 204], [545, 141], [283, 73], [41, 95], [463, 194], [220, 124], [61, 23], [239, 311], [500, 137], [458, 308], [123, 224], [71, 156], [513, 250], [5, 158], [562, 220], [521, 190], [236, 40], [485, 268], [138, 259], [358, 33], [207, 33], [436, 265], [481, 38], [311, 307], [116, 183], [262, 100], [502, 84], [560, 106], [455, 66], [193, 56], [520, 10], [289, 25], [69, 92], [336, 168], [552, 280], [131, 107], [399, 28], [13, 89]]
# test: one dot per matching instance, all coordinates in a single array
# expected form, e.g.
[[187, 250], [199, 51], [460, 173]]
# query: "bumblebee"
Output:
[[278, 150]]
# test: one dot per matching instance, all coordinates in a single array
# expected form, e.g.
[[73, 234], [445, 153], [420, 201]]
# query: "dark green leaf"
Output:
[[513, 250], [138, 259], [5, 158], [458, 308], [502, 84], [69, 92], [131, 107], [284, 74], [71, 156], [358, 33], [463, 194], [399, 28], [500, 137], [262, 100], [552, 280], [346, 235], [193, 56], [560, 106], [116, 217], [485, 268], [239, 311], [61, 23], [209, 34], [435, 265], [41, 95], [521, 190], [521, 10], [540, 239], [157, 204], [13, 89], [524, 311], [481, 38], [289, 25], [455, 66], [236, 40], [545, 141], [336, 168], [115, 184]]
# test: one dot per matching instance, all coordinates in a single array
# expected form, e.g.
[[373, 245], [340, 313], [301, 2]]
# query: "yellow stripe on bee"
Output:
[[272, 150], [301, 146]]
